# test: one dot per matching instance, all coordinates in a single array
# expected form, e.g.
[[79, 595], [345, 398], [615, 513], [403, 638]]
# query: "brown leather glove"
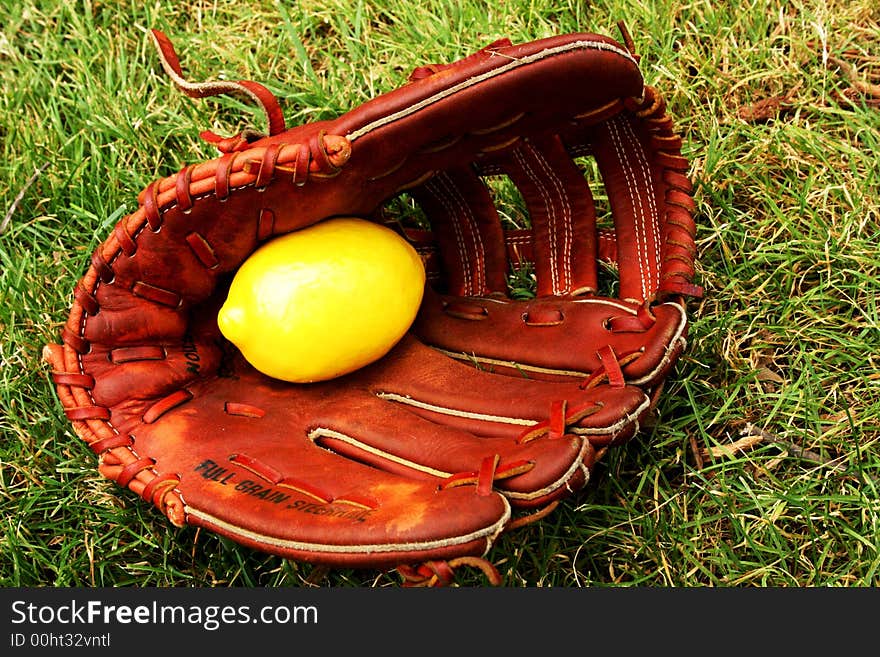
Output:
[[491, 409]]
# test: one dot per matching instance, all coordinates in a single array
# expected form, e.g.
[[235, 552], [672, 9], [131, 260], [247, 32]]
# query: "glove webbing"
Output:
[[565, 244]]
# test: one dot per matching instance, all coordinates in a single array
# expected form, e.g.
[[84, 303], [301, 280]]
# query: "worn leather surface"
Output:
[[491, 405]]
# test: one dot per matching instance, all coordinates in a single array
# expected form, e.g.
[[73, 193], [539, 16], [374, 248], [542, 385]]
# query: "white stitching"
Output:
[[551, 216], [437, 187], [444, 410], [477, 79], [635, 147], [477, 282], [322, 432], [488, 533], [567, 227], [632, 189]]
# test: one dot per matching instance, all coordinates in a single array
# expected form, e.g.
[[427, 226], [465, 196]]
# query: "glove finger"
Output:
[[561, 212], [468, 232], [638, 154], [391, 437], [262, 477], [447, 391], [556, 337]]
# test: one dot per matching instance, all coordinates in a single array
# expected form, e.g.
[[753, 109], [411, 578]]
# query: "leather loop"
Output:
[[102, 267], [166, 404], [181, 189], [75, 379], [267, 166], [557, 424], [202, 250], [125, 240], [611, 367], [121, 355], [257, 92], [86, 299], [258, 467], [221, 177], [486, 476], [320, 161], [152, 211], [158, 484], [466, 310], [87, 413], [79, 344], [243, 410], [156, 294], [265, 224], [132, 470], [544, 317], [301, 165], [111, 442]]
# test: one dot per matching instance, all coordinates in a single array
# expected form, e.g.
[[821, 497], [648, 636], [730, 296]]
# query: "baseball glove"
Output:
[[494, 406]]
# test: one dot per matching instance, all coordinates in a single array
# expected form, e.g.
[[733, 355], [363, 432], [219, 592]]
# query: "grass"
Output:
[[762, 466]]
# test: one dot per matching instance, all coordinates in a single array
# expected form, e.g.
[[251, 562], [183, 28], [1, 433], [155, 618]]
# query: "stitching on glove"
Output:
[[507, 364], [320, 435], [185, 187], [461, 219], [241, 167], [445, 410], [487, 534], [512, 63], [666, 145], [234, 171], [559, 218], [427, 70], [637, 176], [350, 447]]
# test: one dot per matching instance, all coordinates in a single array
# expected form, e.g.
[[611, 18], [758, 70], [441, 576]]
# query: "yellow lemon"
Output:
[[323, 301]]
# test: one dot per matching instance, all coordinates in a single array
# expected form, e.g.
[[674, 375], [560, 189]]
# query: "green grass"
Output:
[[785, 340]]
